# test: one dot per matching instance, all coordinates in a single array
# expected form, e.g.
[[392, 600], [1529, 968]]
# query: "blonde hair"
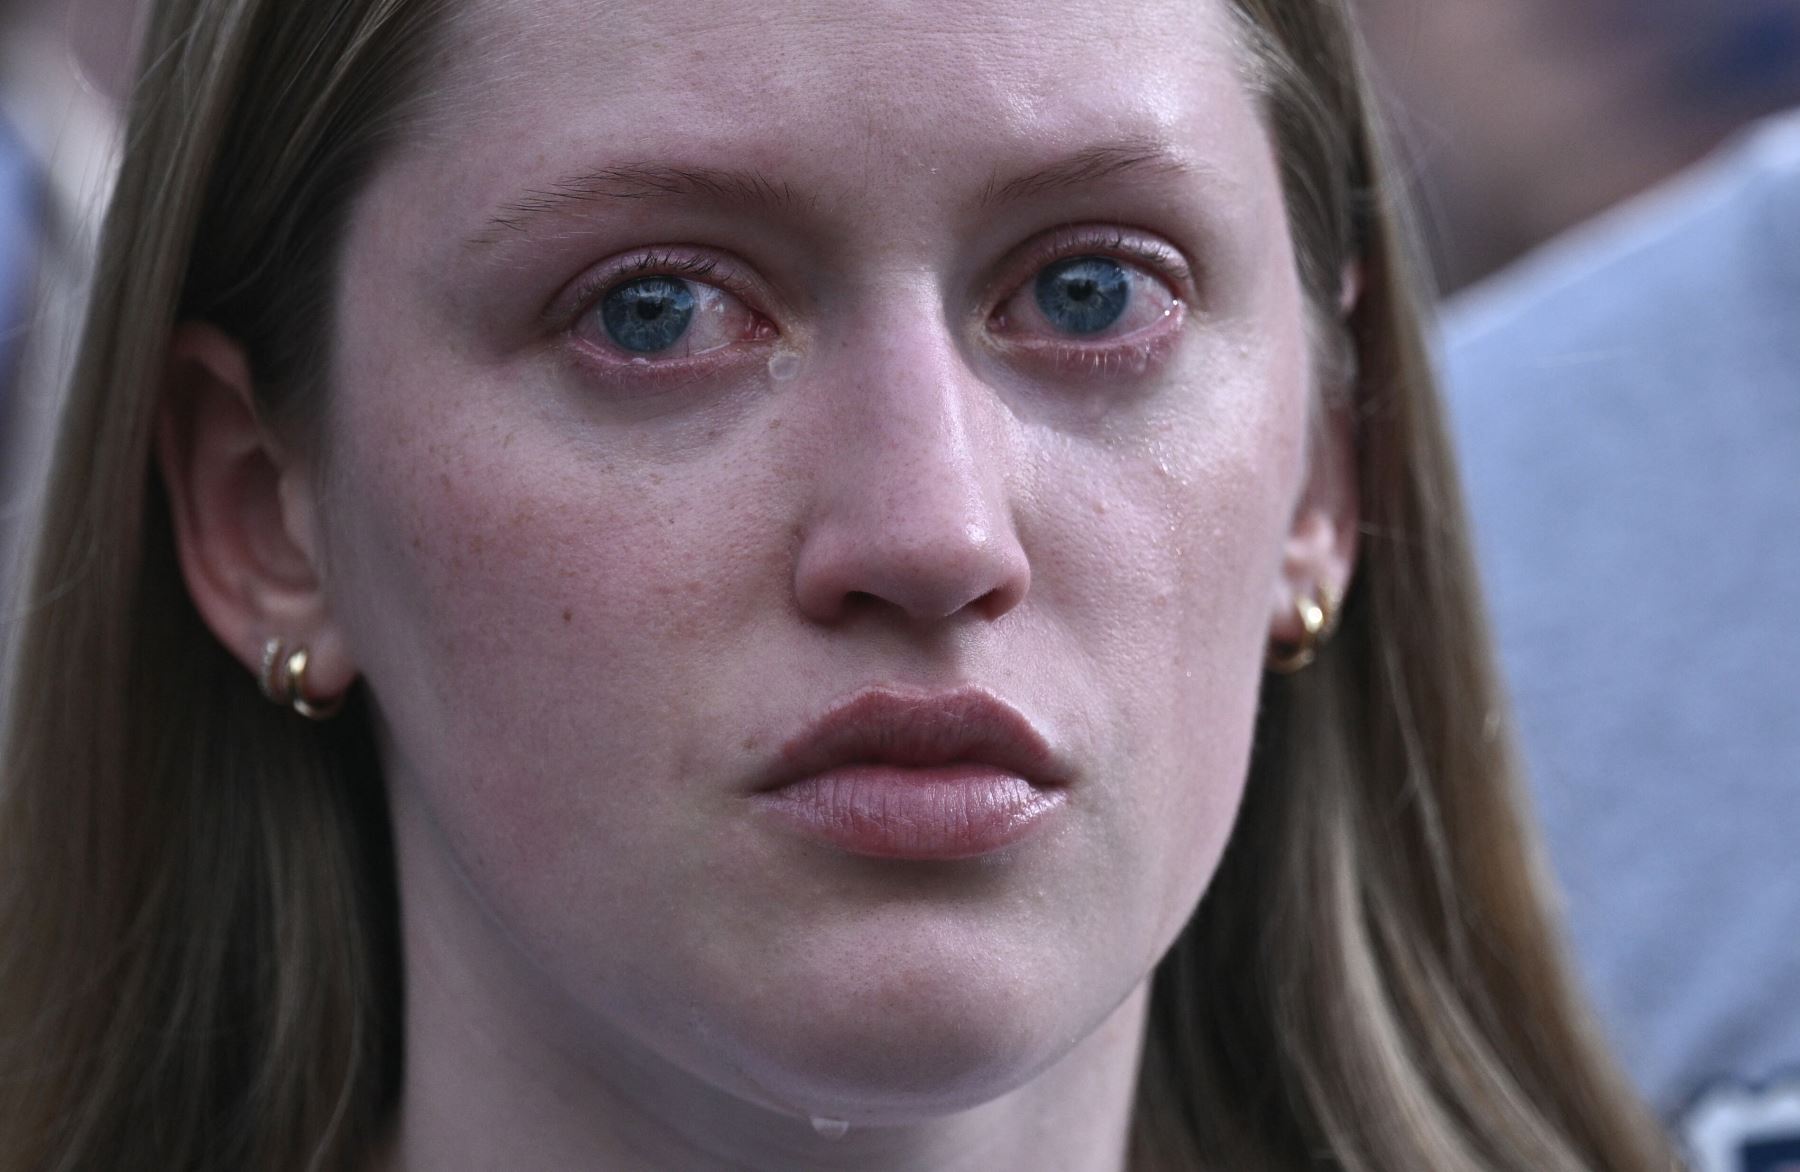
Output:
[[201, 967]]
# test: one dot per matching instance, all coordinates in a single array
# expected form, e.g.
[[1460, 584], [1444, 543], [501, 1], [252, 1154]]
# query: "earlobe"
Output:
[[1320, 551], [241, 508]]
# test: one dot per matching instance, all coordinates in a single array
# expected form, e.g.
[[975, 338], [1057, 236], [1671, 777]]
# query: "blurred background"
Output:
[[1610, 193], [1522, 118], [64, 69]]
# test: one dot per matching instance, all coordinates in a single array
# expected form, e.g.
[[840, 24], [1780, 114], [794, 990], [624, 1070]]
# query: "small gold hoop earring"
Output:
[[273, 678], [1318, 618], [283, 680], [296, 691]]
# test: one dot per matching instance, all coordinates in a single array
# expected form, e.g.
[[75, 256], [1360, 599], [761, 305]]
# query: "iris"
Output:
[[1084, 294], [649, 314]]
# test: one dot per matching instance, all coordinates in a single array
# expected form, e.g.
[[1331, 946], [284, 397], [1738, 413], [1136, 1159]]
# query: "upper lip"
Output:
[[917, 730]]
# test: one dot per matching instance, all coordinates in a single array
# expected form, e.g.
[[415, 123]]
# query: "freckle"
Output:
[[656, 478], [568, 616], [477, 543], [1099, 509], [751, 744], [774, 425], [416, 543], [507, 442]]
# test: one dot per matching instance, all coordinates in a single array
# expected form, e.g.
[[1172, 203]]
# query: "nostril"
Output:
[[994, 603], [1010, 592], [857, 600], [850, 578]]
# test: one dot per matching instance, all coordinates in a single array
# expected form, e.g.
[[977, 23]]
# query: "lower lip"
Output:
[[892, 812]]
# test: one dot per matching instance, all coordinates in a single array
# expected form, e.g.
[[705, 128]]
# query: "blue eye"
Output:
[[649, 314], [1084, 294]]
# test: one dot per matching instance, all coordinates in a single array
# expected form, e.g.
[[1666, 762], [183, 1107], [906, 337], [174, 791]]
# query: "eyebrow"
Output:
[[634, 182], [637, 181], [1093, 165]]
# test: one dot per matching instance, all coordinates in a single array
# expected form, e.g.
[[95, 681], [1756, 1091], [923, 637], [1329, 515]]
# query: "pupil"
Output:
[[648, 314], [1084, 294]]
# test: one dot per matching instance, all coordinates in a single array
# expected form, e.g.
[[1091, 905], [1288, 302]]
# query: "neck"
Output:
[[498, 1077]]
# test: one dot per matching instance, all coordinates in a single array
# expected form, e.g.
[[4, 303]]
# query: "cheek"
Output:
[[532, 616], [1162, 565], [526, 603]]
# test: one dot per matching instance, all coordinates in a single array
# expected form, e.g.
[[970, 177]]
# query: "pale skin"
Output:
[[587, 598]]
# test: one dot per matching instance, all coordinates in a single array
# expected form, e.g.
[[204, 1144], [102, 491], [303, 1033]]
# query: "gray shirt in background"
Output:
[[1627, 405]]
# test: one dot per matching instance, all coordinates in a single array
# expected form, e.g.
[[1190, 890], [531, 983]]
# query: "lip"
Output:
[[895, 775]]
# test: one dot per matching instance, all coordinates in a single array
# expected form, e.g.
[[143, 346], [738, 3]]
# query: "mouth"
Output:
[[892, 775]]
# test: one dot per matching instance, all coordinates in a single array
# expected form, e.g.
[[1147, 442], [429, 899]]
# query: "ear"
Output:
[[1319, 554], [245, 524]]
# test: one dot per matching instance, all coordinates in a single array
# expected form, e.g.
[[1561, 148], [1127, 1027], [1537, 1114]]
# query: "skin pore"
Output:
[[591, 597]]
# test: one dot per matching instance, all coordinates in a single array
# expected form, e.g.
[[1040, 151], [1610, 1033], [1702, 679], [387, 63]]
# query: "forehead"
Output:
[[870, 53], [868, 87]]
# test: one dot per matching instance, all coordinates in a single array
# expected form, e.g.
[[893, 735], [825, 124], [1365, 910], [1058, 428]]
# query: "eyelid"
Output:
[[707, 266], [1159, 257]]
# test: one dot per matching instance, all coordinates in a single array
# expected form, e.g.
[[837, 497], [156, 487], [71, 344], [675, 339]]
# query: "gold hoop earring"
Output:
[[296, 691], [273, 679], [283, 680], [1318, 619]]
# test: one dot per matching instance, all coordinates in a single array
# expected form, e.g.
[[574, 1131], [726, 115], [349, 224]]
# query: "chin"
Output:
[[908, 1038], [893, 1077]]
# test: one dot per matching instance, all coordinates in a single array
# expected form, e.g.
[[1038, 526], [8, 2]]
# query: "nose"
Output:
[[911, 513]]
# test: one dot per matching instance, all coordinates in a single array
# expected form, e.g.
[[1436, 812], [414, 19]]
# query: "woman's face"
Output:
[[706, 371]]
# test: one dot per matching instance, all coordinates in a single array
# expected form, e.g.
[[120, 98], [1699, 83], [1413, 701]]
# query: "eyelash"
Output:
[[1110, 356], [584, 297], [1159, 258]]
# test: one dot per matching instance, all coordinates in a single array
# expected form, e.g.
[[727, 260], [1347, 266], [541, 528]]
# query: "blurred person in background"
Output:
[[64, 65], [1627, 404], [1630, 427], [1526, 117]]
